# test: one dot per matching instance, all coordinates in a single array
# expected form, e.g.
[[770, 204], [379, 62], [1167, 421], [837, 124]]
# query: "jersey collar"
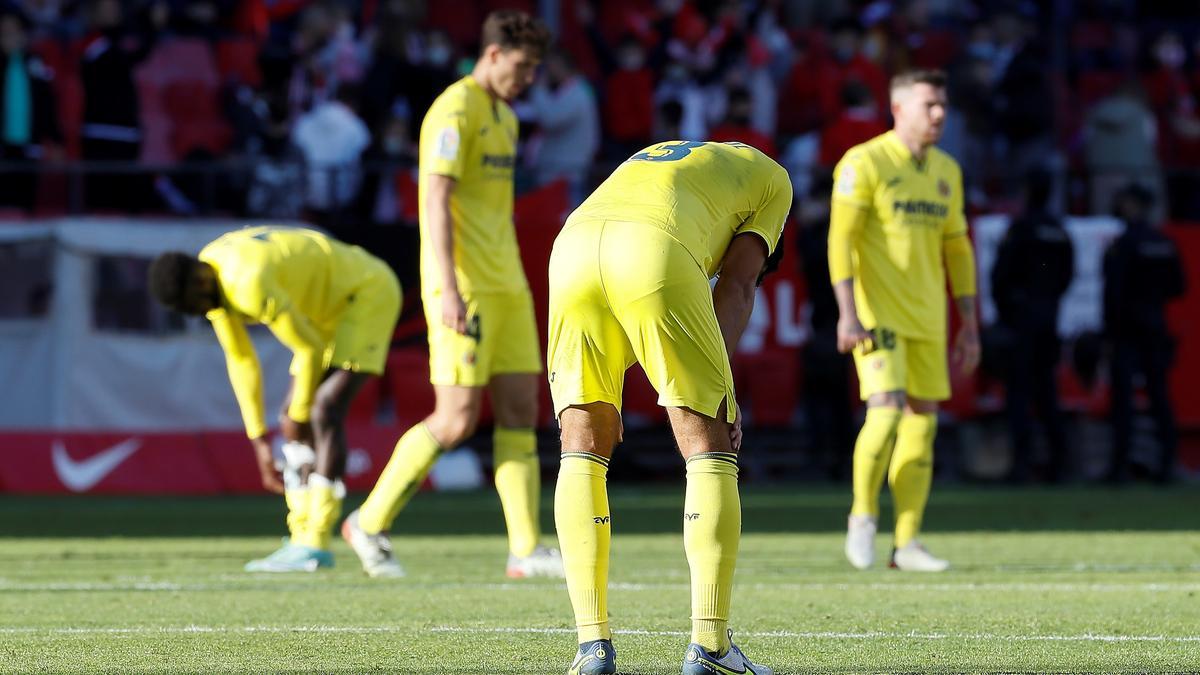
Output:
[[897, 145]]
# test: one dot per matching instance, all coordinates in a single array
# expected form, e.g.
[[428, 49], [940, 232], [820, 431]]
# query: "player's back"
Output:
[[261, 265], [701, 193]]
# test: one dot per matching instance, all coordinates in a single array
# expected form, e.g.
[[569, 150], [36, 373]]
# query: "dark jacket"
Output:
[[1034, 266], [1142, 272]]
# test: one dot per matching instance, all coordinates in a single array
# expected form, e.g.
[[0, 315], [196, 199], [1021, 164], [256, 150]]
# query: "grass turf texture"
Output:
[[1069, 580]]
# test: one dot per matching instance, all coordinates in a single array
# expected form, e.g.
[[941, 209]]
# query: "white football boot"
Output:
[[860, 541], [543, 562], [913, 557], [374, 550]]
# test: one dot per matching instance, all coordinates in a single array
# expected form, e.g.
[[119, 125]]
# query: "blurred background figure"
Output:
[[112, 118], [737, 125], [568, 137], [858, 122], [332, 138], [1034, 266], [1142, 273], [1120, 133], [826, 390], [28, 116]]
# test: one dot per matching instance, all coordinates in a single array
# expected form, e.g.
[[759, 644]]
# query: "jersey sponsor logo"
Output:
[[500, 161], [920, 207], [447, 143], [83, 475]]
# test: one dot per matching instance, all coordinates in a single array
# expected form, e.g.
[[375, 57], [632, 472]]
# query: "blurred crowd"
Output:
[[320, 101]]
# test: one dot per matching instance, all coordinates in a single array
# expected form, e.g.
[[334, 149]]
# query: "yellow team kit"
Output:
[[472, 138], [629, 273], [913, 211], [334, 305]]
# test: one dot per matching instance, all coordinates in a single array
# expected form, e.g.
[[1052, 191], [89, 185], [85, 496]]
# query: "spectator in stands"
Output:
[[850, 63], [201, 18], [668, 121], [28, 116], [858, 122], [1142, 273], [1034, 266], [1024, 108], [564, 108], [332, 139], [826, 387], [276, 186], [737, 125], [112, 125], [1119, 146], [678, 84], [326, 53]]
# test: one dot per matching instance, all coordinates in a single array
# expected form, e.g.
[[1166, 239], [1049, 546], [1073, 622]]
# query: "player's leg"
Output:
[[325, 488], [584, 524], [457, 370], [587, 354], [911, 472], [881, 376], [510, 331], [455, 414], [664, 304]]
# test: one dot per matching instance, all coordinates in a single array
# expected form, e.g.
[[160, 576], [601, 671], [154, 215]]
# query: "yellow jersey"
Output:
[[298, 282], [912, 209], [700, 193], [471, 137]]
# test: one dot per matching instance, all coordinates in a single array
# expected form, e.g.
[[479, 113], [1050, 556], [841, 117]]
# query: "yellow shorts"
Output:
[[364, 332], [622, 293], [894, 363], [501, 339]]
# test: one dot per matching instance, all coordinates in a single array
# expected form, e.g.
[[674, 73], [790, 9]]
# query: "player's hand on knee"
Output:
[[735, 431], [271, 478], [850, 334], [454, 312]]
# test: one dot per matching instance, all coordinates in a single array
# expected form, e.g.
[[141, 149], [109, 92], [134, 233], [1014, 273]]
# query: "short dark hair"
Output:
[[907, 78], [514, 29], [168, 278]]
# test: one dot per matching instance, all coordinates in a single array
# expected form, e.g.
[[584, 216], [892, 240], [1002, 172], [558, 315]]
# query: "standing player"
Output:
[[335, 306], [629, 282], [482, 331], [896, 228]]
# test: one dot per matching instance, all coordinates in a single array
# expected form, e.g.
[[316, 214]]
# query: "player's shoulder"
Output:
[[944, 161], [870, 152], [454, 100]]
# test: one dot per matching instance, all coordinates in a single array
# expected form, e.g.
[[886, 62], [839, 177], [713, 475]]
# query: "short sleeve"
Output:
[[772, 211], [854, 179], [444, 137]]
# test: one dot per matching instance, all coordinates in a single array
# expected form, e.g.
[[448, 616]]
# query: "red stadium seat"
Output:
[[237, 61]]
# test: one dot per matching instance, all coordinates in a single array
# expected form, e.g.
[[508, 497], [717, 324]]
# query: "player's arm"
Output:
[[960, 267], [439, 189], [297, 333], [733, 298], [846, 223], [245, 375]]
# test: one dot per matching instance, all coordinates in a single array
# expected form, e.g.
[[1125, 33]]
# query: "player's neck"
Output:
[[914, 145], [481, 76]]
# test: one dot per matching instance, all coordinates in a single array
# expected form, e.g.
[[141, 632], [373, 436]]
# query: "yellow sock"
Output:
[[324, 507], [584, 531], [912, 473], [871, 453], [712, 527], [411, 461], [297, 505], [519, 483]]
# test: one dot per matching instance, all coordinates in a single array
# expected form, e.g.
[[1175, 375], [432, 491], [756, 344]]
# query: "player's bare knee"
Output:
[[887, 399], [593, 427]]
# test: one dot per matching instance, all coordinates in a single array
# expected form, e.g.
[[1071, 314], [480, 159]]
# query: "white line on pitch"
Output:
[[319, 629], [249, 583]]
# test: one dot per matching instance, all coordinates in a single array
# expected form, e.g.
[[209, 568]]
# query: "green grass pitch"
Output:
[[1069, 580]]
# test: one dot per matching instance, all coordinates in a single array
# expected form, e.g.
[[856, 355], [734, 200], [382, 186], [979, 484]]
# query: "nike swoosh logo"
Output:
[[82, 475]]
